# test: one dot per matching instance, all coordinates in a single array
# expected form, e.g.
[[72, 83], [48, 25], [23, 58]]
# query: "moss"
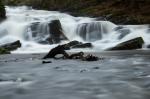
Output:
[[4, 51]]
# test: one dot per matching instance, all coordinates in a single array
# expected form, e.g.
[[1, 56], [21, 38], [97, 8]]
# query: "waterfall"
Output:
[[31, 27], [95, 30]]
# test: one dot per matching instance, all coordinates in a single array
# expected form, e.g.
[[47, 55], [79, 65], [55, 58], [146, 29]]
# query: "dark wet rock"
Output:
[[70, 44], [77, 44], [57, 67], [13, 79], [46, 62], [148, 46], [56, 32], [132, 44], [6, 48], [96, 67], [84, 45], [11, 46], [90, 58], [83, 70], [73, 43], [60, 49], [46, 32], [77, 55]]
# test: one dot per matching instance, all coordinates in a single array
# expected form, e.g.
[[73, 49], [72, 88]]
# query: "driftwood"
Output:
[[60, 49]]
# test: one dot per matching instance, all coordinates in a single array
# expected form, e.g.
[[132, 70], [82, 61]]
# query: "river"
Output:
[[119, 75]]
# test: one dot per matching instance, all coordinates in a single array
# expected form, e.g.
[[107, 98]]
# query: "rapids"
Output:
[[103, 34]]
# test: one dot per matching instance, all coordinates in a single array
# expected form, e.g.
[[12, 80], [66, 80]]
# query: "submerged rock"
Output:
[[132, 44], [11, 46]]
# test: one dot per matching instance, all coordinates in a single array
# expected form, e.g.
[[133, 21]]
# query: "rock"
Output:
[[84, 45], [73, 43], [69, 45], [60, 49], [2, 11], [46, 32], [46, 62], [148, 46], [11, 46], [77, 44], [4, 51], [132, 44], [90, 58], [96, 67], [56, 31], [79, 55]]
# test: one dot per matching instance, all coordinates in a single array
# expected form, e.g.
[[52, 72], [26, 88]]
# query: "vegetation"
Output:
[[118, 11], [4, 51], [2, 11]]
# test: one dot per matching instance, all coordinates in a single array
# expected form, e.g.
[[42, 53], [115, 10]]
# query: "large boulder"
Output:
[[132, 44], [56, 32], [11, 46]]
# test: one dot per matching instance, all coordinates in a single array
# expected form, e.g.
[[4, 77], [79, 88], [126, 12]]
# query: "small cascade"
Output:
[[95, 30], [38, 32]]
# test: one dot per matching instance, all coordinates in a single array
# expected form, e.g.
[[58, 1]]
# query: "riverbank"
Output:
[[116, 11], [120, 73]]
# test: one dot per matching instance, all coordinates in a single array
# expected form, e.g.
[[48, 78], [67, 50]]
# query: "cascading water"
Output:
[[32, 29], [94, 30]]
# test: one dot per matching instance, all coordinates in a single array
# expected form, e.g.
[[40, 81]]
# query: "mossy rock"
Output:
[[4, 51], [132, 44]]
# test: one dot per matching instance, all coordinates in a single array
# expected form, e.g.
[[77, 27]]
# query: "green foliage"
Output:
[[138, 10], [4, 51], [2, 11]]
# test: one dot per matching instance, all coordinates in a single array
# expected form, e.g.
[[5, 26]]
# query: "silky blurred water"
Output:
[[121, 75]]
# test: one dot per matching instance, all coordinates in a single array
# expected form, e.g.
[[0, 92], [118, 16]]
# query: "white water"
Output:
[[102, 34]]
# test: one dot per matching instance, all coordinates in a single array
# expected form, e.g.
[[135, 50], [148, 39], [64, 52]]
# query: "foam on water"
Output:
[[103, 34]]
